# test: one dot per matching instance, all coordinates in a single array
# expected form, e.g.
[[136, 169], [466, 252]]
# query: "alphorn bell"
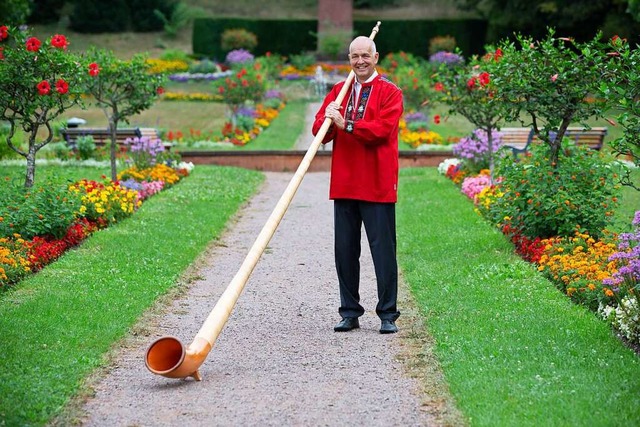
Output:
[[167, 356]]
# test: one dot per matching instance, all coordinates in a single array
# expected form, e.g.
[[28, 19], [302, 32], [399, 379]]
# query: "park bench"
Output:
[[519, 139], [102, 136]]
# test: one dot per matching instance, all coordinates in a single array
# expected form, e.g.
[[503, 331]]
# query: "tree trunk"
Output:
[[113, 129], [31, 163]]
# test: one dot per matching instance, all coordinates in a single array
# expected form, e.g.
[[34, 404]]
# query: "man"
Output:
[[364, 182]]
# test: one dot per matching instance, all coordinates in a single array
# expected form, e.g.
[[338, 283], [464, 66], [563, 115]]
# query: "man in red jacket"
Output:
[[364, 182]]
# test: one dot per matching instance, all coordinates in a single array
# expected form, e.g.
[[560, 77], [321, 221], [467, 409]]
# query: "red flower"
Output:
[[439, 87], [484, 78], [62, 87], [33, 44], [221, 89], [59, 41], [4, 32], [471, 83], [43, 87], [436, 119], [160, 90], [94, 70], [1, 52], [498, 54]]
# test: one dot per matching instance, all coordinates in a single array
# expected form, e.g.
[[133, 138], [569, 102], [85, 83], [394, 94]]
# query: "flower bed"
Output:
[[599, 270], [99, 205]]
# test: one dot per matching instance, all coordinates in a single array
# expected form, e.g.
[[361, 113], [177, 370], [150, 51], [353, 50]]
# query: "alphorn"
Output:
[[167, 356]]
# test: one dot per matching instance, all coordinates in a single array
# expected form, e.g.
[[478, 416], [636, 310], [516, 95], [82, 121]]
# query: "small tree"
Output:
[[122, 89], [551, 83], [38, 81], [622, 87], [470, 91]]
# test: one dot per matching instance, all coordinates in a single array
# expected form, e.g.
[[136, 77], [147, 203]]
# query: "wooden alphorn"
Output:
[[167, 356]]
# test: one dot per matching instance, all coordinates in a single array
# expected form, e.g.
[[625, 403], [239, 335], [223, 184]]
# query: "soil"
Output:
[[277, 361]]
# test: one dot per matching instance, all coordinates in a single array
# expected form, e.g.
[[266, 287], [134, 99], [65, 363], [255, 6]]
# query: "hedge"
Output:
[[289, 37]]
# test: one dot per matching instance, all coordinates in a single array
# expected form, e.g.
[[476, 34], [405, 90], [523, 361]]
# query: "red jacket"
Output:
[[364, 163]]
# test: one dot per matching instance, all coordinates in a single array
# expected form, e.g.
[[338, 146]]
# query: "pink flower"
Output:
[[59, 41], [554, 77], [62, 87], [33, 44], [43, 87], [94, 70]]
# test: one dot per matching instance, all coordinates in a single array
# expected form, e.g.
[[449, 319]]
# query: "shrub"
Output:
[[43, 210], [544, 199], [302, 61], [238, 38], [334, 43], [442, 44], [85, 146]]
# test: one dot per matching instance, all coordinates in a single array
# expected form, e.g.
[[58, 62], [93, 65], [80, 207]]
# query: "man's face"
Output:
[[363, 62]]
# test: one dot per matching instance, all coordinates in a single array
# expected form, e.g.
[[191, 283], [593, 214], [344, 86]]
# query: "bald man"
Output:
[[364, 183]]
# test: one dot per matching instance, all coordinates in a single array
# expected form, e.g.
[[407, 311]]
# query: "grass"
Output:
[[514, 350], [49, 322]]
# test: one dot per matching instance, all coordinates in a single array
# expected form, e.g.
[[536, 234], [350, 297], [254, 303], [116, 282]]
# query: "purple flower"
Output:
[[239, 56], [444, 57], [415, 117], [476, 147]]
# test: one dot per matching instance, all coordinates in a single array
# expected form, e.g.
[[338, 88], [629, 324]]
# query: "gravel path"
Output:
[[277, 361]]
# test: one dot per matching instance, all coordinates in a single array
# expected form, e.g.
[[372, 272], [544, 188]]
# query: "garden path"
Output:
[[277, 361]]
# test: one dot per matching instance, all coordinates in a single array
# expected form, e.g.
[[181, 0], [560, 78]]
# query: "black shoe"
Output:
[[347, 324], [388, 327]]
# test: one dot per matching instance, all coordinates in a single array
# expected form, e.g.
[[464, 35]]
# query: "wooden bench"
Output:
[[102, 136], [519, 139]]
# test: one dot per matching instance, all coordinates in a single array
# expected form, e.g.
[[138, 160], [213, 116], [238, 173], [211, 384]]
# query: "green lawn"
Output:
[[514, 350]]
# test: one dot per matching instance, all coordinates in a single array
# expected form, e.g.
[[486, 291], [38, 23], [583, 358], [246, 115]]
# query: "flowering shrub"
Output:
[[552, 83], [474, 149], [470, 91], [546, 200], [238, 38], [245, 85], [442, 43], [39, 80], [416, 85]]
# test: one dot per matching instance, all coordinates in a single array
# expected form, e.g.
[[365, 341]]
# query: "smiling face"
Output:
[[363, 57]]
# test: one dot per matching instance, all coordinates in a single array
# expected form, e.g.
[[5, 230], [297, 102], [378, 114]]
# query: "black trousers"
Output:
[[379, 221]]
